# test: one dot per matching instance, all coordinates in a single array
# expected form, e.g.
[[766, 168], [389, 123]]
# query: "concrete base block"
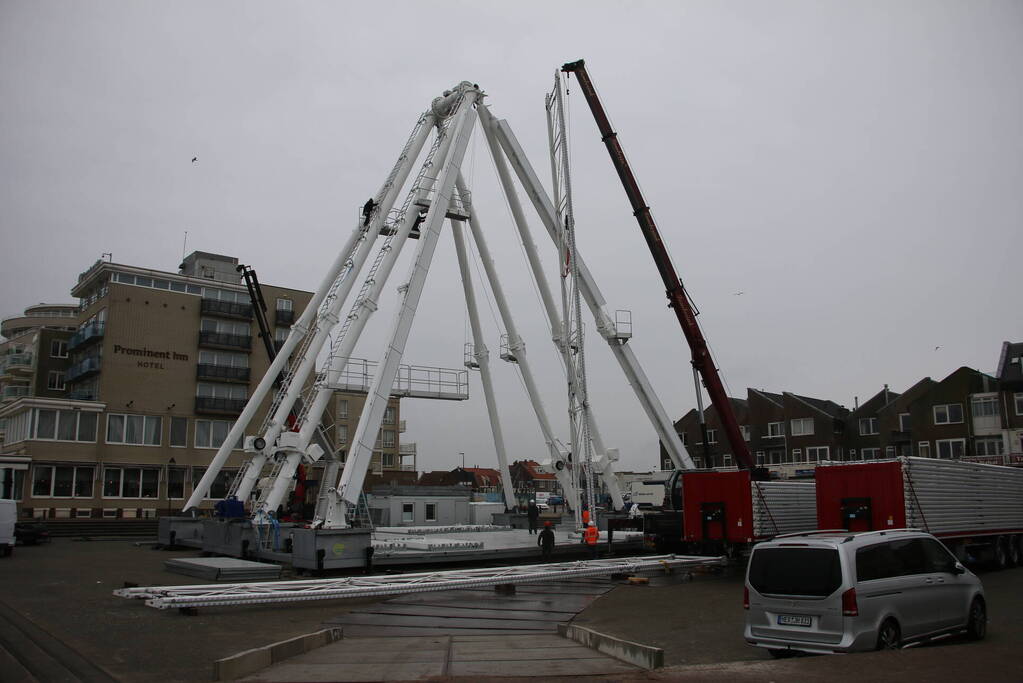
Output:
[[634, 653], [249, 662]]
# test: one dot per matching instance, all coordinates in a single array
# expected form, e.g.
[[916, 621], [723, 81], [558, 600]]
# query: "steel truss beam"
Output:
[[215, 595]]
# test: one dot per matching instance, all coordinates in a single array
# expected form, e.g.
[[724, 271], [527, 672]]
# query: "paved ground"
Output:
[[57, 598], [456, 656]]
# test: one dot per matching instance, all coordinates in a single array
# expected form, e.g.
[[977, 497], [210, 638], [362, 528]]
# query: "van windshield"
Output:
[[811, 572]]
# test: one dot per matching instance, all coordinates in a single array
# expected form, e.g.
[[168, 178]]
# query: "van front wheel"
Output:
[[976, 627], [888, 636]]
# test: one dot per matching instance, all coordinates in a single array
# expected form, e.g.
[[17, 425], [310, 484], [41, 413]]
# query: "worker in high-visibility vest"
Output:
[[586, 515], [590, 536]]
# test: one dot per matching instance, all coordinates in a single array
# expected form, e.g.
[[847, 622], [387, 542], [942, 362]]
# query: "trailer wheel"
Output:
[[1014, 551], [1001, 553]]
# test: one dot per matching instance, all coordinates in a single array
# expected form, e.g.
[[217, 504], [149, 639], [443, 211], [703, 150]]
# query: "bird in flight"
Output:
[[738, 293], [936, 348], [195, 159]]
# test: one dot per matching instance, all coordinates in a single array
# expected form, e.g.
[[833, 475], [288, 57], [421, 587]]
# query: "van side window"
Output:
[[893, 558], [938, 557]]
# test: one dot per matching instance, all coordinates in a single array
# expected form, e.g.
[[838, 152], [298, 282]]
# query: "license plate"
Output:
[[793, 620]]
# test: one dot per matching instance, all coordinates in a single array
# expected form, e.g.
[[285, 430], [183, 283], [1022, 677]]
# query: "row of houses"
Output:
[[968, 415]]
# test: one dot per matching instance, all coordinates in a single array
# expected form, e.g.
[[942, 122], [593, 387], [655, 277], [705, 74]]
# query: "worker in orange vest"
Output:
[[590, 535], [586, 515]]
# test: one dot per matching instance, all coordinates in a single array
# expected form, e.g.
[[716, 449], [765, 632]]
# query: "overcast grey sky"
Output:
[[854, 168]]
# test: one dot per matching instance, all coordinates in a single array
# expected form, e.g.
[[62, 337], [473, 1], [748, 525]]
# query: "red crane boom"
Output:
[[675, 291]]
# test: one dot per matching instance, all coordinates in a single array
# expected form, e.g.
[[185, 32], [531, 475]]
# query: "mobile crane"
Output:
[[678, 300]]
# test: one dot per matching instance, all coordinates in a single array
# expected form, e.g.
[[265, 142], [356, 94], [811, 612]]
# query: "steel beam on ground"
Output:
[[169, 597]]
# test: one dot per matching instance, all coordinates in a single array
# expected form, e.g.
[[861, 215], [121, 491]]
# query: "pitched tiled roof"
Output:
[[828, 407], [774, 398], [485, 476], [533, 468], [1010, 363]]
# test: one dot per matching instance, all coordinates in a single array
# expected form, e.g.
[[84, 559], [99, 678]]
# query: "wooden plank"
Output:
[[594, 666]]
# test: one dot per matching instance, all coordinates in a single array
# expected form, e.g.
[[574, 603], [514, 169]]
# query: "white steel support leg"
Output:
[[515, 343], [623, 353], [362, 311], [483, 360], [329, 319], [376, 402], [265, 386]]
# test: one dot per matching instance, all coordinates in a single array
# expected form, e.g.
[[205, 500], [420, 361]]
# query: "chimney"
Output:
[[856, 402], [886, 393]]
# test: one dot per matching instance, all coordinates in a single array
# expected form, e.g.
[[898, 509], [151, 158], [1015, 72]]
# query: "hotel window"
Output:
[[797, 455], [903, 422], [225, 327], [58, 348], [870, 453], [388, 459], [179, 432], [990, 446], [15, 483], [342, 434], [745, 432], [134, 430], [281, 334], [389, 415], [889, 451], [55, 381], [923, 449], [131, 482], [431, 512], [951, 413], [1019, 403], [685, 438], [285, 305], [224, 359], [868, 426], [408, 512], [817, 453], [211, 434], [221, 483], [951, 448], [760, 457], [175, 482], [342, 409], [775, 429], [217, 390], [388, 439], [712, 436], [56, 481], [726, 459], [63, 425]]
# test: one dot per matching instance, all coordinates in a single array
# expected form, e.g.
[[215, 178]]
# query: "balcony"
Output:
[[16, 363], [223, 340], [284, 318], [86, 335], [86, 368], [220, 406], [224, 373], [12, 392], [226, 309]]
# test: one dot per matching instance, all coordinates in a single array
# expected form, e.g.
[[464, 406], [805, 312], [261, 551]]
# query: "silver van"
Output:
[[836, 591]]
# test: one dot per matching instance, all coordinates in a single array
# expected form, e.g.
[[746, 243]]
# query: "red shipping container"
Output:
[[866, 497], [718, 506]]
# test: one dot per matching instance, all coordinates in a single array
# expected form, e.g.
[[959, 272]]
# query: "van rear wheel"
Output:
[[889, 636], [976, 627]]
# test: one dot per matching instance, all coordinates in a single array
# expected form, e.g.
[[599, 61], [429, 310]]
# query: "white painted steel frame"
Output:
[[482, 356], [354, 473], [211, 595], [630, 365]]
